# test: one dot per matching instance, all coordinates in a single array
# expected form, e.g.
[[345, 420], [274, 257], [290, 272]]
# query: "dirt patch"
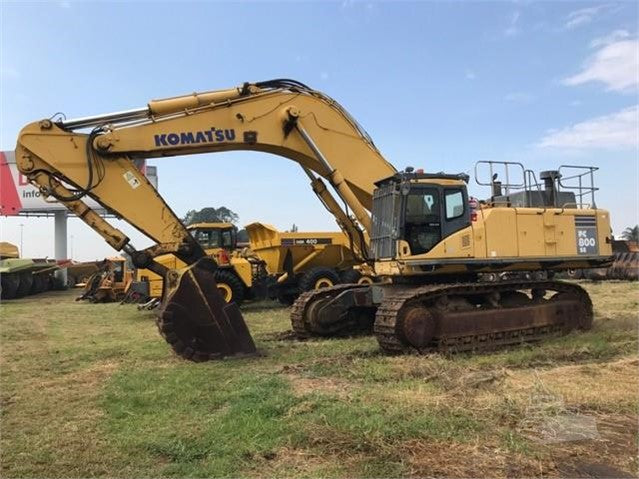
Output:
[[290, 462], [303, 385], [574, 384], [288, 335], [570, 420], [453, 459], [47, 415], [612, 454], [441, 382], [79, 388], [448, 375], [90, 377], [583, 469]]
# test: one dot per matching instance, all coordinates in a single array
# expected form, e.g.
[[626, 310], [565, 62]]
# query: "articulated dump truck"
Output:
[[275, 265], [23, 276]]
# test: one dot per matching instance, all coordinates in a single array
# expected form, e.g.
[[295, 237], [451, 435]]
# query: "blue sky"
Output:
[[438, 85]]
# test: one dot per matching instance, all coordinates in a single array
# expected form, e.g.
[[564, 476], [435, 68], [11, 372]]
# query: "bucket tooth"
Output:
[[196, 321]]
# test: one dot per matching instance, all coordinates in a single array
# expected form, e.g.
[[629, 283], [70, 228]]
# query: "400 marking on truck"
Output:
[[305, 241]]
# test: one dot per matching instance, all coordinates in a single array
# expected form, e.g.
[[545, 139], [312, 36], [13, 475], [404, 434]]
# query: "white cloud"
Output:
[[608, 39], [583, 16], [616, 131], [615, 63], [513, 28]]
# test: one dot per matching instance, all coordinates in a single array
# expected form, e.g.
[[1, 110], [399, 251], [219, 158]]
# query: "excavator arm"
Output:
[[281, 117]]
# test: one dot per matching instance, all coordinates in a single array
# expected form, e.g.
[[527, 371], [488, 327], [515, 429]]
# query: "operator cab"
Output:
[[118, 269], [214, 235], [419, 208]]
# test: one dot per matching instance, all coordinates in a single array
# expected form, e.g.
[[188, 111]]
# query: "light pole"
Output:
[[21, 230]]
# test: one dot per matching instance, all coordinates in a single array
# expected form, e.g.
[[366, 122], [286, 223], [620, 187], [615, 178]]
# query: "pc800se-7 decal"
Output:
[[586, 231]]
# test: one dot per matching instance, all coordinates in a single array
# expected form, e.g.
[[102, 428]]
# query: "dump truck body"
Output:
[[306, 250]]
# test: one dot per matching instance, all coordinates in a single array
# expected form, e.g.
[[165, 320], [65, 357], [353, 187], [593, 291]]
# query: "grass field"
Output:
[[92, 390]]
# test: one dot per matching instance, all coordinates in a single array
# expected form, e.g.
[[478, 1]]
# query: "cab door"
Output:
[[432, 214], [455, 210], [422, 219]]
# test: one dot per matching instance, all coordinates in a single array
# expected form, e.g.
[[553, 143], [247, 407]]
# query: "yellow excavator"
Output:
[[433, 244]]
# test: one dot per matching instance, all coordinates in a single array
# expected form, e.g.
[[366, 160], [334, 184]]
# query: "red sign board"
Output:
[[10, 203]]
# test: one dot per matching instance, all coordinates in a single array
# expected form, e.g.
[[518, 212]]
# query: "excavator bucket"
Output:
[[196, 321]]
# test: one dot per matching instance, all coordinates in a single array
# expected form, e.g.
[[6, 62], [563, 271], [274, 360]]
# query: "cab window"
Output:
[[422, 220], [118, 271], [202, 237], [227, 239], [454, 204], [422, 206], [214, 239], [207, 239]]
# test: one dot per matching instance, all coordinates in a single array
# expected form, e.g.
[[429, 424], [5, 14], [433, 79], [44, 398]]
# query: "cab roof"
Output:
[[432, 178]]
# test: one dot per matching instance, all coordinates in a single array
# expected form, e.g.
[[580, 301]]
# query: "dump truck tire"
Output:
[[318, 278], [350, 276], [230, 286], [26, 281], [10, 283], [37, 285]]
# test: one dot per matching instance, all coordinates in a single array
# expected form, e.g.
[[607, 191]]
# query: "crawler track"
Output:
[[390, 314], [304, 329]]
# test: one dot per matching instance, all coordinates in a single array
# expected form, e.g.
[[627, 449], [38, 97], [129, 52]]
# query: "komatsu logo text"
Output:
[[213, 135]]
